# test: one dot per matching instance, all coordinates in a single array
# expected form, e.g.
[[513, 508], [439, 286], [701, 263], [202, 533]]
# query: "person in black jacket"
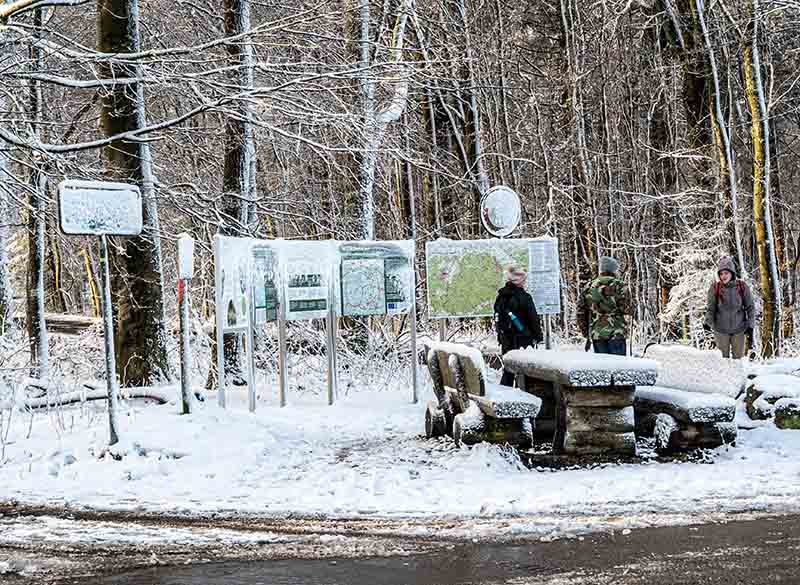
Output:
[[515, 316]]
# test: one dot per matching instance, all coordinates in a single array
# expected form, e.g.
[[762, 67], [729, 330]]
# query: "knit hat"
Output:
[[517, 275], [608, 265], [726, 263]]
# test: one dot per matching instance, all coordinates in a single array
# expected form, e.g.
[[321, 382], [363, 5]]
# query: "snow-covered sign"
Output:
[[308, 267], [265, 284], [501, 211], [235, 262], [544, 276], [376, 277], [98, 207]]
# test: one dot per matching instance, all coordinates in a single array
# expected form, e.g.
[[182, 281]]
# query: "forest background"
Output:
[[662, 133]]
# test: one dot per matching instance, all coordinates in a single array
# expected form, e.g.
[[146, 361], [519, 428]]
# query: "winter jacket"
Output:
[[516, 300], [730, 309], [603, 307]]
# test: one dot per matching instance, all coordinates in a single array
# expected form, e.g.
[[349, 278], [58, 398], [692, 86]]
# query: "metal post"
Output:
[[548, 329], [331, 349], [283, 358], [183, 312], [108, 330], [251, 356], [220, 311], [412, 323], [442, 329]]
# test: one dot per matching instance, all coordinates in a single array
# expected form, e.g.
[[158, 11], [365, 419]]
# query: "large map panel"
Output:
[[363, 287], [464, 276]]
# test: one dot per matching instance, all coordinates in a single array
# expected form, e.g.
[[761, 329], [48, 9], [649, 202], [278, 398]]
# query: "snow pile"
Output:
[[695, 370], [699, 408], [578, 368], [764, 391]]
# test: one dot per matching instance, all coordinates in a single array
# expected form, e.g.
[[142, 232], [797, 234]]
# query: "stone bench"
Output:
[[587, 398], [681, 420], [468, 408]]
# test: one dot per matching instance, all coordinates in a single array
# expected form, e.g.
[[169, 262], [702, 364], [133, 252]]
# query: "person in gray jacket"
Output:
[[730, 311]]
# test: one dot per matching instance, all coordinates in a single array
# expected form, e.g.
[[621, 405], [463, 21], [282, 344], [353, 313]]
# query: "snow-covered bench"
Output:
[[589, 397], [468, 408], [694, 404], [764, 392], [682, 420]]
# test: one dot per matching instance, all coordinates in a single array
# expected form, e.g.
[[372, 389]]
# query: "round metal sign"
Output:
[[501, 211]]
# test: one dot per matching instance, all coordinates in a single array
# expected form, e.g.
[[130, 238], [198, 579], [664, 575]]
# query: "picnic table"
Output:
[[587, 399]]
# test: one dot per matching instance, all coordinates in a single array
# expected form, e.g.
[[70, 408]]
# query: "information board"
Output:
[[265, 284], [376, 278], [235, 264], [464, 275], [544, 275]]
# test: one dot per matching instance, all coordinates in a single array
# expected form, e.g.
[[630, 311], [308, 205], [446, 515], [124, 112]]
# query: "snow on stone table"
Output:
[[581, 369], [695, 370]]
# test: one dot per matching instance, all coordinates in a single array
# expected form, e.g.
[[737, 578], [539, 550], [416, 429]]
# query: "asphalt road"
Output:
[[753, 552]]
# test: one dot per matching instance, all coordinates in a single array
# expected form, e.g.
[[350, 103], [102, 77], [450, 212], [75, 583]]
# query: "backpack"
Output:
[[739, 289]]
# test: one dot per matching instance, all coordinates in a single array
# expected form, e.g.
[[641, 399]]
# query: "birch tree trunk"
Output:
[[765, 238], [376, 122], [138, 281]]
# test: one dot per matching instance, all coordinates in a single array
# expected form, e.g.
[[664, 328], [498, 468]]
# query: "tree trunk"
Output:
[[238, 173], [138, 282], [765, 238], [37, 201]]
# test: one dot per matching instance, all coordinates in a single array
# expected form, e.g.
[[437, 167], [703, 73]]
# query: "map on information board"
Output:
[[363, 286], [377, 278], [464, 276]]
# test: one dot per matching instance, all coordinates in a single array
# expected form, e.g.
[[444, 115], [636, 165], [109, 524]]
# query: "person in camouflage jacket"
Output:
[[603, 309]]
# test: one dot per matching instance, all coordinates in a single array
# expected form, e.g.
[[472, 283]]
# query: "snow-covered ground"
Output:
[[366, 457]]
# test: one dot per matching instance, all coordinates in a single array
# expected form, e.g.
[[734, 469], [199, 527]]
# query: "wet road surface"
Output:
[[753, 552]]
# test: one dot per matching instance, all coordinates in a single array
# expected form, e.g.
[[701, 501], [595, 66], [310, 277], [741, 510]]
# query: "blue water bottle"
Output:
[[517, 323]]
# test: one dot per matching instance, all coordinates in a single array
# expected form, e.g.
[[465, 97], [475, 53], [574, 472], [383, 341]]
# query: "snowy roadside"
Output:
[[365, 458]]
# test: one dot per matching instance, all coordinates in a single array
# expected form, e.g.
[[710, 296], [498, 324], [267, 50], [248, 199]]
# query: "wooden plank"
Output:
[[687, 416], [503, 402], [600, 419]]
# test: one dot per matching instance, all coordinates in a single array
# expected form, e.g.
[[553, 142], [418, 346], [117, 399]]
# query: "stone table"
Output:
[[587, 398]]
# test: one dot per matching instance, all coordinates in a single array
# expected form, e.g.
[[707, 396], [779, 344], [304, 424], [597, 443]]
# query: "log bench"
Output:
[[587, 398], [681, 420], [469, 409]]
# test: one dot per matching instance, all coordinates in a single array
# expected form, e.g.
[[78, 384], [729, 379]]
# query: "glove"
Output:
[[748, 335], [706, 327], [588, 345]]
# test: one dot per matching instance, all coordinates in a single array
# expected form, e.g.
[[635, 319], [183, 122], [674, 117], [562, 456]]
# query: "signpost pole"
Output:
[[220, 310], [283, 358], [108, 330], [251, 356], [412, 323], [185, 273], [442, 329], [183, 302], [331, 327]]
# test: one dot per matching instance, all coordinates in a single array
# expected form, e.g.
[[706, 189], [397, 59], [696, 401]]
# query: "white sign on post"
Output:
[[102, 209], [99, 208]]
